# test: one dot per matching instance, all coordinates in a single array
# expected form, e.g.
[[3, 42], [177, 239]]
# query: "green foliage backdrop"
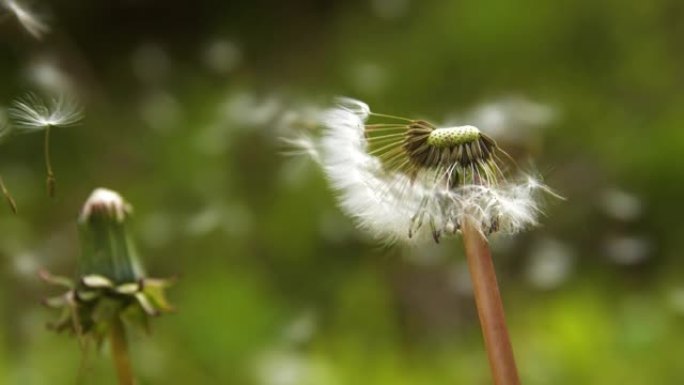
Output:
[[185, 103]]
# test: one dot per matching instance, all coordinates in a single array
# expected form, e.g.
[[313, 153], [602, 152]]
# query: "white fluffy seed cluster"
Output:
[[395, 207]]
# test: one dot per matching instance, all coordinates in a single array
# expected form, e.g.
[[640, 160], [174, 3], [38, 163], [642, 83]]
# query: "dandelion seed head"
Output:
[[404, 179], [32, 113], [27, 18]]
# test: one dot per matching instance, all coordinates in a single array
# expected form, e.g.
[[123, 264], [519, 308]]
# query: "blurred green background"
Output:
[[185, 104]]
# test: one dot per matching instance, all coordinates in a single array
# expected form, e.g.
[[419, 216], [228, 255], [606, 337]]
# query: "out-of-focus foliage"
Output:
[[185, 103]]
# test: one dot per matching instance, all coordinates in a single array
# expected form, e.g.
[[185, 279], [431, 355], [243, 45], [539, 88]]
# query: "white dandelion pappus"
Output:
[[407, 180], [27, 18], [32, 113]]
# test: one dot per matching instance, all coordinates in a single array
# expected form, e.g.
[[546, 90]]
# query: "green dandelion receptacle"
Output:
[[453, 136], [462, 154]]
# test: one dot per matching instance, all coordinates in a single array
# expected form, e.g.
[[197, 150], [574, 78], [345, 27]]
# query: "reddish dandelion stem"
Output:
[[489, 307]]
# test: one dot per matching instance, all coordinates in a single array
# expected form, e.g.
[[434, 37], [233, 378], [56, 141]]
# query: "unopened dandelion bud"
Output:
[[111, 283], [107, 247]]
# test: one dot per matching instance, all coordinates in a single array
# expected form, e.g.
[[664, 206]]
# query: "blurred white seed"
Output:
[[281, 368], [26, 264], [222, 56], [247, 109], [151, 63], [459, 279], [621, 205], [161, 111], [550, 264], [512, 119], [32, 22], [390, 9], [369, 77], [232, 219], [675, 299], [628, 250], [301, 329], [47, 75]]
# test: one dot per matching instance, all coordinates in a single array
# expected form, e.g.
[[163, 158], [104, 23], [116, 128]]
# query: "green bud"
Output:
[[111, 284], [107, 250]]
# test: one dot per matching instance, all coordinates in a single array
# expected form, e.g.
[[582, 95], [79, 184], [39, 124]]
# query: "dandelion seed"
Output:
[[406, 179], [32, 113], [513, 119], [27, 18]]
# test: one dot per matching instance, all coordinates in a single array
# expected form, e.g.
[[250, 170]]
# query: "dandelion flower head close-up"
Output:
[[409, 180]]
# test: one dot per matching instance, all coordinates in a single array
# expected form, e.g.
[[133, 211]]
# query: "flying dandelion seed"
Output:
[[31, 113], [31, 22], [405, 179]]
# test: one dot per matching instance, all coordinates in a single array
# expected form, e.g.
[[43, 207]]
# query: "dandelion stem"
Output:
[[51, 181], [489, 307], [8, 196], [122, 362]]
